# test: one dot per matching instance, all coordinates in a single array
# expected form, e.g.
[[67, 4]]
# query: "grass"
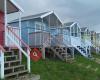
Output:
[[80, 69]]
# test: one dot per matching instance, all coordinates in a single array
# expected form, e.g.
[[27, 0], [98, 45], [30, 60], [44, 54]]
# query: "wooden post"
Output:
[[43, 52], [73, 52], [66, 53]]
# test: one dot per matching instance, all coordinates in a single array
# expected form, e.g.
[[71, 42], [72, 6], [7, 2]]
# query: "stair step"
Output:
[[63, 53], [7, 53], [11, 57], [16, 73], [12, 67], [12, 63], [57, 53]]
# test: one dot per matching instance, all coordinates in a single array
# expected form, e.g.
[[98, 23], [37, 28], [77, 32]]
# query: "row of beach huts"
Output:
[[44, 32]]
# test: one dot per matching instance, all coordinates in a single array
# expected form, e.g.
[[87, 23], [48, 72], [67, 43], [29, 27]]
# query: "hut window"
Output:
[[39, 26]]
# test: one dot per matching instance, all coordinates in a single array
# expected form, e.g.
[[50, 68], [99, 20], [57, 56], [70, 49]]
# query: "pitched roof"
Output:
[[53, 18], [39, 15], [83, 29], [92, 32], [12, 6], [68, 24], [33, 16]]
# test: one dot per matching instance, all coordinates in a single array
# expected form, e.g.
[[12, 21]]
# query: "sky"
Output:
[[84, 12]]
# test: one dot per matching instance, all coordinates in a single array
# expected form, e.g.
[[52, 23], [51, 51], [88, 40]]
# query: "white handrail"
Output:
[[12, 36]]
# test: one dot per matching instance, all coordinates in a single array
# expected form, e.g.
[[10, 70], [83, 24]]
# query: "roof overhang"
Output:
[[92, 32], [12, 6], [69, 24]]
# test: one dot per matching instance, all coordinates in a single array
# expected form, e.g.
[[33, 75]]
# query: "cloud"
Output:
[[85, 12]]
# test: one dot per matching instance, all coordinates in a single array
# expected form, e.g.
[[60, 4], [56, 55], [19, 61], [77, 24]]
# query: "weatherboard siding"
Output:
[[38, 38], [27, 28], [1, 28]]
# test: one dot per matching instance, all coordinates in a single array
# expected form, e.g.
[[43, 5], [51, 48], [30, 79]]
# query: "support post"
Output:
[[20, 54], [73, 52], [90, 50], [5, 17], [2, 64], [43, 52], [28, 61], [42, 37]]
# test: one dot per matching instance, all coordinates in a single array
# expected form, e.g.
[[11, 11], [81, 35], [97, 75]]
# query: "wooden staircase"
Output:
[[13, 65], [62, 53], [9, 60]]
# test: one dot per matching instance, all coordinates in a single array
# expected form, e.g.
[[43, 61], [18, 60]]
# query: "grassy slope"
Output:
[[81, 69]]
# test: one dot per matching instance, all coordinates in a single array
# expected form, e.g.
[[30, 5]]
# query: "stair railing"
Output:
[[19, 43], [2, 50]]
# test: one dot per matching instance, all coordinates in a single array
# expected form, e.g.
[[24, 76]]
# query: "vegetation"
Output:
[[80, 69]]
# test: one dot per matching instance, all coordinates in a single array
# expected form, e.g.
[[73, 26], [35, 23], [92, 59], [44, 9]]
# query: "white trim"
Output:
[[73, 24], [46, 14]]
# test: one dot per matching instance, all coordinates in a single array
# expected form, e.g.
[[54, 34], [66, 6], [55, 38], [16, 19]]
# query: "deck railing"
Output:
[[9, 31]]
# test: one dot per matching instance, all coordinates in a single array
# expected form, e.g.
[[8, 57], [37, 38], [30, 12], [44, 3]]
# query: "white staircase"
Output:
[[81, 46], [83, 51], [10, 63], [13, 65]]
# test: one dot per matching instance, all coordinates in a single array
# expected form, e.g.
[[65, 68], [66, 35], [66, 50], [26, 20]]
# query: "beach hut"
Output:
[[85, 34], [77, 40], [98, 42], [94, 40], [39, 30], [10, 63]]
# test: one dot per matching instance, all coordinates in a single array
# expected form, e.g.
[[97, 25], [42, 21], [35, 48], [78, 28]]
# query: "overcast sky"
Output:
[[85, 12]]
